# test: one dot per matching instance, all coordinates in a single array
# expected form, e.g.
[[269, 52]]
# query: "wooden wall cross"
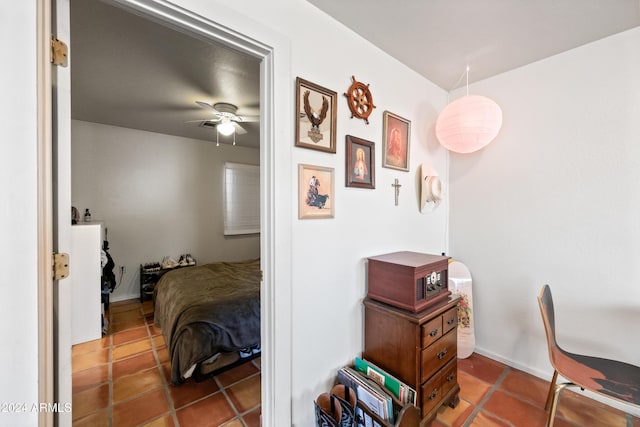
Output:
[[397, 186]]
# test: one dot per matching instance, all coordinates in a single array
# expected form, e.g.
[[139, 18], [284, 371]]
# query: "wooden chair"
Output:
[[610, 378]]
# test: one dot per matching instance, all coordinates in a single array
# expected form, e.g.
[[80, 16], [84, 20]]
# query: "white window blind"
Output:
[[241, 199]]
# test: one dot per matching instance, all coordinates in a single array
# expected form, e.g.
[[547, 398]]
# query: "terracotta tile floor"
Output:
[[495, 395], [123, 380]]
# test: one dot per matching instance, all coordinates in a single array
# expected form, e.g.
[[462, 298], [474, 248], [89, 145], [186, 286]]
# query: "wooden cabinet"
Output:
[[418, 348]]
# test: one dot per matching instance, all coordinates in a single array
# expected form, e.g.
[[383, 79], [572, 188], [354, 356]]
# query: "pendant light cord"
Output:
[[447, 163], [464, 73], [467, 79]]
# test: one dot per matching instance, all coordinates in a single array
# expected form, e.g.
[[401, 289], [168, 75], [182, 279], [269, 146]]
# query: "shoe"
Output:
[[348, 400], [328, 411], [190, 260], [249, 351], [182, 262], [168, 263], [151, 266]]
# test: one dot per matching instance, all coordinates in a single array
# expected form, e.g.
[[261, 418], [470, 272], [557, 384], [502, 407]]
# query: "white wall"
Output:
[[552, 200], [555, 200], [327, 265], [158, 195], [328, 269], [18, 210]]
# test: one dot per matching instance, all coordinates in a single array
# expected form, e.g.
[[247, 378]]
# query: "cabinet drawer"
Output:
[[449, 376], [431, 331], [449, 320], [438, 354], [435, 328], [431, 393]]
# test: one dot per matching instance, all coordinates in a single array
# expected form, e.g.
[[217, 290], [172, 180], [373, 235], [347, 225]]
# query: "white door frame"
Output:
[[46, 370], [241, 33]]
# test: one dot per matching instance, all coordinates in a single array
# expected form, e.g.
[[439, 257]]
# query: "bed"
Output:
[[209, 316]]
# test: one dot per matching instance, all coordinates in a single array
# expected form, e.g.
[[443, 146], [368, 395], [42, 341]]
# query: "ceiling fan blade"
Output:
[[249, 119], [239, 129], [204, 120], [208, 106]]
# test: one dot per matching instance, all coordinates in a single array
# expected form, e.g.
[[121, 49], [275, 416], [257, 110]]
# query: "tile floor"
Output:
[[122, 380], [495, 395]]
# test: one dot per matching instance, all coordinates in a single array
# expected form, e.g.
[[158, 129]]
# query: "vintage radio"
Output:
[[409, 280]]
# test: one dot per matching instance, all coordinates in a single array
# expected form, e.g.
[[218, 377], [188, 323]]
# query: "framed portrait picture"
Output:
[[360, 163], [315, 116], [396, 141], [315, 192]]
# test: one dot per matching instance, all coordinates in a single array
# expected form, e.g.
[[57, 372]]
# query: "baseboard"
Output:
[[127, 297], [629, 409], [535, 372]]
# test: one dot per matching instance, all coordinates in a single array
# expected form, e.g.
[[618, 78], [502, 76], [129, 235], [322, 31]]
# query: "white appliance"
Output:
[[85, 273]]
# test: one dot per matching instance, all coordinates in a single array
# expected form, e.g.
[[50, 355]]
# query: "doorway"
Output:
[[272, 409]]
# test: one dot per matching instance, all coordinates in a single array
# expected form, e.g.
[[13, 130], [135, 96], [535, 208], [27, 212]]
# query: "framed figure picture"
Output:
[[315, 192], [315, 116], [360, 163], [396, 140]]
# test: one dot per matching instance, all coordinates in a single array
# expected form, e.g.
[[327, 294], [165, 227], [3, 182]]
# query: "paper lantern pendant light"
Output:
[[468, 123]]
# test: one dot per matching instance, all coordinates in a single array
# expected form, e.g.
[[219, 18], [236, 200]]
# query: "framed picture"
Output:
[[396, 139], [315, 116], [360, 163], [315, 192]]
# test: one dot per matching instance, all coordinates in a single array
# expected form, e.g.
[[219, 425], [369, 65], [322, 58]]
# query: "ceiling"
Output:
[[131, 72], [439, 38]]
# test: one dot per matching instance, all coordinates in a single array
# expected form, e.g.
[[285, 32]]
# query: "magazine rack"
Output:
[[409, 416]]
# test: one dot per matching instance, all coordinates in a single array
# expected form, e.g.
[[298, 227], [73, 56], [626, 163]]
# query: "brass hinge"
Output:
[[60, 266], [59, 52]]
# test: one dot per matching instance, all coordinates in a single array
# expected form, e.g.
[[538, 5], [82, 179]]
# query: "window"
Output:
[[241, 199]]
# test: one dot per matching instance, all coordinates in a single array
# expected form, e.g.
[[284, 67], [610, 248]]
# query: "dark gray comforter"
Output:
[[208, 309]]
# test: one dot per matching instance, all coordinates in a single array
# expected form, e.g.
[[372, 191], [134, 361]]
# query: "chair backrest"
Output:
[[545, 302], [612, 378]]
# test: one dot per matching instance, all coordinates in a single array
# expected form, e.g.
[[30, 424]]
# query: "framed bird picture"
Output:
[[315, 116], [316, 196]]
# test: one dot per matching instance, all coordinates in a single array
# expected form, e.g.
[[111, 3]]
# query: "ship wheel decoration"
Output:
[[360, 100]]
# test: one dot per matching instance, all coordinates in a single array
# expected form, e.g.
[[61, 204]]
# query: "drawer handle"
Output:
[[442, 354], [451, 377], [433, 394], [434, 332], [451, 321]]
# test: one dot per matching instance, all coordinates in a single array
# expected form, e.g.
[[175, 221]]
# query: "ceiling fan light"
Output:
[[468, 123], [226, 128]]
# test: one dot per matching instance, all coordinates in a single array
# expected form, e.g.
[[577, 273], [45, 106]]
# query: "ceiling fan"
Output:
[[225, 119]]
